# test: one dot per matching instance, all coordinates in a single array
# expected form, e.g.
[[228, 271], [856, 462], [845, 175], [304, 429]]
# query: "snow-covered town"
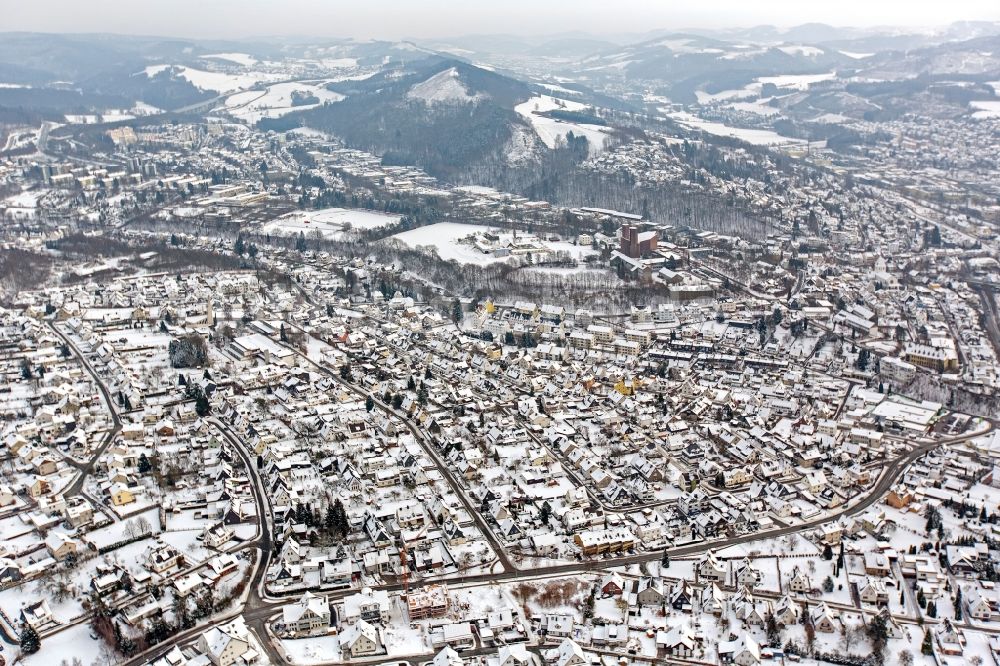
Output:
[[630, 389]]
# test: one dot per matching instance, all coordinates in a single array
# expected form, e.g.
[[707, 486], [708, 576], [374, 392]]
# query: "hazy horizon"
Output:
[[441, 19]]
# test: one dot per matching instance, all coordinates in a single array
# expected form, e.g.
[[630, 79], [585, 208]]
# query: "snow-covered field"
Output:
[[220, 82], [797, 81], [239, 58], [801, 49], [446, 238], [550, 130], [708, 98], [787, 82], [445, 87], [116, 532], [111, 116], [276, 101], [330, 222], [757, 137], [759, 107], [25, 199], [985, 109], [315, 650], [62, 648]]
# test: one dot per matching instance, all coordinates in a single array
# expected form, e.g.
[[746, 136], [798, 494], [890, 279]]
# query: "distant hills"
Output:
[[443, 114], [450, 106]]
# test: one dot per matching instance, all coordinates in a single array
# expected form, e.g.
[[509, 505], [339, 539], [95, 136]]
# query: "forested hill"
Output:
[[443, 115]]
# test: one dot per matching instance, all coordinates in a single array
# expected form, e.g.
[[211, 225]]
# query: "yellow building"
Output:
[[121, 495]]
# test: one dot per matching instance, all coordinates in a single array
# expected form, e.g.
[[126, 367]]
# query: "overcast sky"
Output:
[[394, 19]]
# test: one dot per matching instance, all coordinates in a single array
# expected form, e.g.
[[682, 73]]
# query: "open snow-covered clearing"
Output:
[[239, 58], [560, 89], [63, 647], [787, 82], [339, 63], [447, 239], [801, 49], [687, 46], [115, 532], [444, 236], [111, 116], [757, 137], [797, 81], [985, 109], [26, 199], [445, 87], [759, 107], [214, 81], [315, 650], [276, 101], [707, 98], [330, 222], [550, 130]]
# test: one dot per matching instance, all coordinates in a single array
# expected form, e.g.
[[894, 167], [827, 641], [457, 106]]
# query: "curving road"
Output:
[[87, 468]]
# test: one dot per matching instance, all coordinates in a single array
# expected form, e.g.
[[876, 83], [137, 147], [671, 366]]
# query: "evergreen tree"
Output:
[[927, 646], [546, 513], [144, 464], [878, 633], [30, 642], [933, 519], [773, 633], [330, 520], [201, 405], [369, 403], [665, 560], [341, 524]]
